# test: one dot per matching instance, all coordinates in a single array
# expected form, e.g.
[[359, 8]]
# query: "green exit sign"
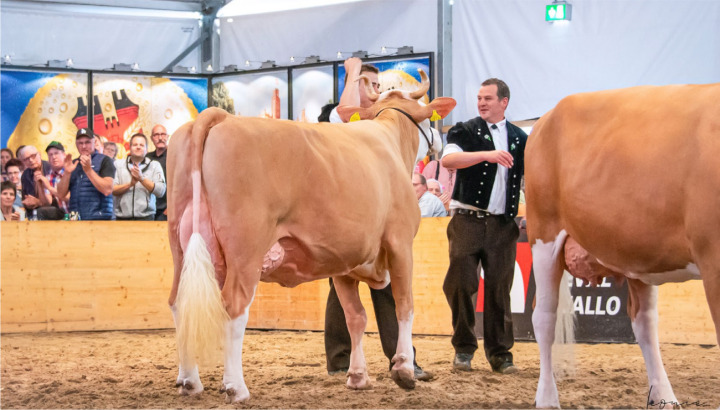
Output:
[[558, 12]]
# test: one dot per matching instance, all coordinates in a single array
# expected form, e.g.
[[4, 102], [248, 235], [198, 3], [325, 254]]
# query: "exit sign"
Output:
[[558, 12]]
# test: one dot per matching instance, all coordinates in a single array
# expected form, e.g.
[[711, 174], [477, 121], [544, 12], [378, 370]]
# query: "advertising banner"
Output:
[[312, 88], [262, 95]]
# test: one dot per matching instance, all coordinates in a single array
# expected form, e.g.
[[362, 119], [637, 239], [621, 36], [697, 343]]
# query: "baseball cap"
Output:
[[55, 144], [84, 132]]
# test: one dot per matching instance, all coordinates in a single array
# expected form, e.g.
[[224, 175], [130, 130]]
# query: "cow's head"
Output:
[[409, 103]]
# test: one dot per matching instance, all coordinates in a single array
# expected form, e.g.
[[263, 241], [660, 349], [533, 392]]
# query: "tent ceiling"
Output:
[[174, 5]]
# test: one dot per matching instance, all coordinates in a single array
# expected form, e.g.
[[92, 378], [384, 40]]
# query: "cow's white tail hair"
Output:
[[201, 313], [563, 348]]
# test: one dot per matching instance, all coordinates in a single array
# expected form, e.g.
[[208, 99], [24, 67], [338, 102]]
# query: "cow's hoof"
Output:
[[404, 378], [188, 388], [233, 395], [358, 381]]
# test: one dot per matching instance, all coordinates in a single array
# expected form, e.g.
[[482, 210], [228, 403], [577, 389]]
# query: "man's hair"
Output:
[[503, 91], [8, 185], [25, 148], [17, 151], [437, 182], [325, 112], [422, 178], [364, 69], [138, 135], [13, 162]]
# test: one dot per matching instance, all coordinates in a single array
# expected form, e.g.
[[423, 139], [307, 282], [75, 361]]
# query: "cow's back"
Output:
[[628, 173]]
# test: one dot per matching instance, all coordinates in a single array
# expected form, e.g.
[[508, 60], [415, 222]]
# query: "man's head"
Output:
[[30, 156], [371, 72], [434, 187], [14, 169], [85, 141], [138, 146], [419, 184], [492, 100], [159, 138], [110, 149], [56, 155]]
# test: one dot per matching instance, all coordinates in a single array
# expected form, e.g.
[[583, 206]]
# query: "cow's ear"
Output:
[[442, 106], [350, 113]]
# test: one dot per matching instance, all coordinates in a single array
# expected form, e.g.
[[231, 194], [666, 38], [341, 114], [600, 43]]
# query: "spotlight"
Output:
[[7, 59], [268, 64]]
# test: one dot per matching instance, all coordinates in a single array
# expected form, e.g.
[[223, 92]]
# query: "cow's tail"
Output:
[[563, 349], [201, 312]]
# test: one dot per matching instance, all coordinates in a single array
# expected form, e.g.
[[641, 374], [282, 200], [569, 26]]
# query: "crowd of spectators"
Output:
[[94, 186]]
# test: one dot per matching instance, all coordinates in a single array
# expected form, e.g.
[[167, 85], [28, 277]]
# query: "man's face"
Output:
[[420, 189], [490, 108], [434, 188], [8, 197], [31, 158], [159, 137], [14, 175], [373, 77], [99, 147], [137, 147], [85, 145], [56, 158]]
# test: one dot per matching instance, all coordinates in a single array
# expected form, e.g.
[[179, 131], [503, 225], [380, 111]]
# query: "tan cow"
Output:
[[291, 202], [625, 183]]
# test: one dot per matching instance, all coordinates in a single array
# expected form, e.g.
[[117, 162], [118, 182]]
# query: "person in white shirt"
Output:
[[430, 205]]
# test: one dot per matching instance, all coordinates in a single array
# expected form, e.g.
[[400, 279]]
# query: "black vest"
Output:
[[474, 184]]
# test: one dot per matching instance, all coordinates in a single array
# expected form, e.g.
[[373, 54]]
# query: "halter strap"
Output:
[[428, 140]]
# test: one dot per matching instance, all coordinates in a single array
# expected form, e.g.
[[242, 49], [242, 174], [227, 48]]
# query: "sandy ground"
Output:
[[287, 370]]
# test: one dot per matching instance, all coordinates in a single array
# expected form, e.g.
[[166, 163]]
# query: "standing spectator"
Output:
[[110, 149], [488, 153], [91, 183], [5, 155], [58, 206], [10, 212], [32, 188], [430, 205], [337, 337], [13, 168], [159, 138], [435, 188], [138, 182]]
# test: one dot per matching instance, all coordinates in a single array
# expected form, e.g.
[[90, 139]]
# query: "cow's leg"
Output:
[[547, 279], [188, 380], [644, 316], [356, 318], [233, 381], [400, 265]]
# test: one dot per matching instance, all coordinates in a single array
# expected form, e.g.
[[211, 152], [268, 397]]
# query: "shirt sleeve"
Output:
[[451, 149], [335, 117], [107, 168], [159, 179]]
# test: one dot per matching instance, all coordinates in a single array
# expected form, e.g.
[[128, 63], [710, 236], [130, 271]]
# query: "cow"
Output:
[[253, 199], [624, 183]]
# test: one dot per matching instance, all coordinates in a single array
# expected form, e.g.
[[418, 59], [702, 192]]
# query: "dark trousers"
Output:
[[337, 338], [160, 216], [138, 218], [488, 242]]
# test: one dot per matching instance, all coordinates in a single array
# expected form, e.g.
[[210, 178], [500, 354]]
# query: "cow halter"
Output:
[[429, 141]]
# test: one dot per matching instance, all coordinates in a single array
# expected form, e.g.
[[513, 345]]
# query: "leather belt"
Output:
[[470, 212]]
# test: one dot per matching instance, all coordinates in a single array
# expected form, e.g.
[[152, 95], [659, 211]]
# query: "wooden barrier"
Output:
[[69, 276]]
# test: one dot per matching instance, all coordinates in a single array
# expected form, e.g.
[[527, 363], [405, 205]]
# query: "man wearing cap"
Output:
[[56, 157], [34, 167], [91, 183]]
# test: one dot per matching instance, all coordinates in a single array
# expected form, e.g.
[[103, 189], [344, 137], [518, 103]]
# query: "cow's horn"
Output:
[[372, 95], [424, 86]]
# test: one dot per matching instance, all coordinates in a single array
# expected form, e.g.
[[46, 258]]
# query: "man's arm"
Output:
[[103, 182], [459, 160], [351, 93]]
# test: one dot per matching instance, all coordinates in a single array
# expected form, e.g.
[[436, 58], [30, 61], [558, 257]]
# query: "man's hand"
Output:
[[501, 157], [136, 173], [14, 216], [69, 164], [445, 198], [86, 163], [352, 65], [40, 179], [31, 202]]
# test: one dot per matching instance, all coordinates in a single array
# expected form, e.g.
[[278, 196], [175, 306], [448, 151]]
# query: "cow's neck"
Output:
[[406, 133]]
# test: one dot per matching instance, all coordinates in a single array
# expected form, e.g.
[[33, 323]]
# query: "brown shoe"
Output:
[[506, 368]]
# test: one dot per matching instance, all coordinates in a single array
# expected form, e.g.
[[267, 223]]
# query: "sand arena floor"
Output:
[[286, 369]]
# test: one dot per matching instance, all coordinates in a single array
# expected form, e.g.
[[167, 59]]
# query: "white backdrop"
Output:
[[608, 44]]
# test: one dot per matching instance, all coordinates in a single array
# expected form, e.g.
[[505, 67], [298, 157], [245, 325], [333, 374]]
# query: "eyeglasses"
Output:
[[30, 157], [160, 134]]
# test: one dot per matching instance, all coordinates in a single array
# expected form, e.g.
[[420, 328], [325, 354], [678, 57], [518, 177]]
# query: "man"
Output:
[[487, 152], [57, 206], [159, 138], [430, 205], [32, 188], [138, 182], [436, 189], [337, 337], [89, 179]]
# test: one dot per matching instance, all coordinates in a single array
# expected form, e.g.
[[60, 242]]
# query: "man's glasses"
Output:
[[29, 157], [160, 134]]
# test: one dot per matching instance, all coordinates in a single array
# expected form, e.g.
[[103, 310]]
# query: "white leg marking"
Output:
[[233, 380]]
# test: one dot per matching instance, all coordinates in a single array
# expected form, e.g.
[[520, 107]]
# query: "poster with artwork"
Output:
[[262, 94], [398, 74], [312, 88]]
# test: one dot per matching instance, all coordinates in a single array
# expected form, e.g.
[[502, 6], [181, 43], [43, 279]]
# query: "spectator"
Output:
[[91, 183], [57, 206], [100, 144], [110, 149], [32, 189], [337, 337], [17, 155], [159, 138], [138, 182], [446, 177], [5, 155], [430, 205], [10, 212], [14, 170], [488, 152], [436, 189]]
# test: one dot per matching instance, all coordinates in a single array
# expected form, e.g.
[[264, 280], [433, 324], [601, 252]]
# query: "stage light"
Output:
[[268, 64], [360, 54], [558, 11], [232, 67], [209, 68], [398, 50], [60, 63], [311, 60], [7, 59], [180, 69]]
